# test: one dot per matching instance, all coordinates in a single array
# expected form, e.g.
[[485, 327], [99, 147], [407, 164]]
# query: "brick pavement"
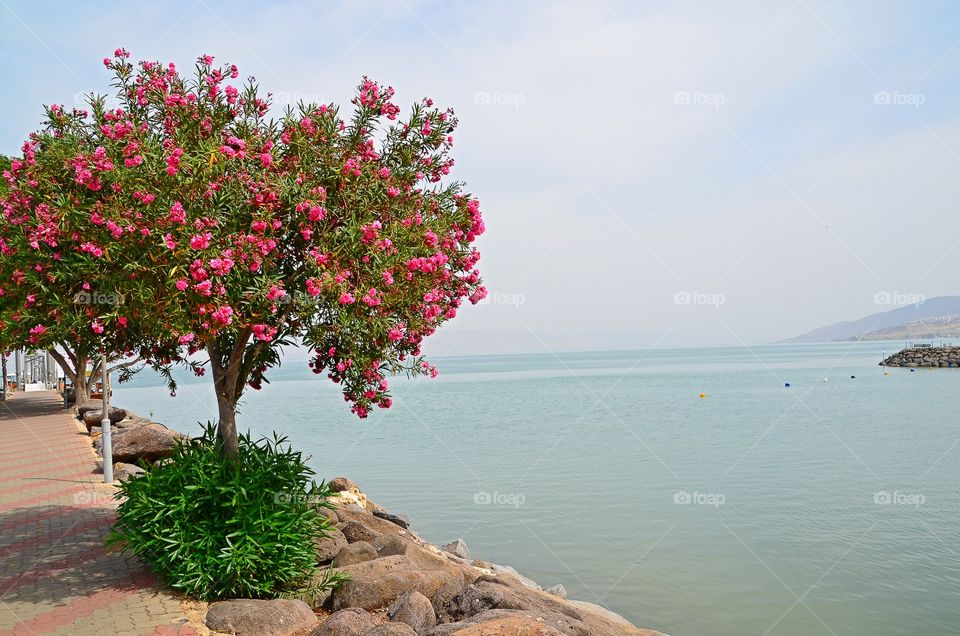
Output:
[[55, 576]]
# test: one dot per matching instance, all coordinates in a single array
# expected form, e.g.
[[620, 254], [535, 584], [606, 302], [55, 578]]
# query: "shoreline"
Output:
[[373, 545]]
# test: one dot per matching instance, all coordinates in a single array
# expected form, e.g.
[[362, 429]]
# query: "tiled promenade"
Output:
[[55, 576]]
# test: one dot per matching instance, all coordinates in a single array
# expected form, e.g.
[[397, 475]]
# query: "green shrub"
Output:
[[216, 528]]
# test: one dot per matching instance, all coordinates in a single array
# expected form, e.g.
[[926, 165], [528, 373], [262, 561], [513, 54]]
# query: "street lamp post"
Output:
[[105, 424]]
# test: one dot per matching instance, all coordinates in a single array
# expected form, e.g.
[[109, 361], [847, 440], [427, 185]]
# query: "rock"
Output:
[[496, 592], [339, 484], [93, 417], [123, 472], [391, 629], [279, 617], [329, 547], [557, 590], [500, 569], [500, 623], [603, 622], [330, 515], [378, 583], [356, 552], [91, 405], [356, 513], [352, 621], [414, 609], [147, 443], [357, 531], [458, 548], [401, 520]]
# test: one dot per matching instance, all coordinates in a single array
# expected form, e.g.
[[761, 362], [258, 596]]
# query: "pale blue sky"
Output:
[[624, 153]]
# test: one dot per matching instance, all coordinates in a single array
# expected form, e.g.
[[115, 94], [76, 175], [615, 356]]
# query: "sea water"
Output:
[[827, 507]]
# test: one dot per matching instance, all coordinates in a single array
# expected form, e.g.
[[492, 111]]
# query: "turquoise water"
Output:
[[569, 467]]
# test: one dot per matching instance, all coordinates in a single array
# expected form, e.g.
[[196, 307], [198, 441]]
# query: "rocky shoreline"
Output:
[[400, 585], [922, 357]]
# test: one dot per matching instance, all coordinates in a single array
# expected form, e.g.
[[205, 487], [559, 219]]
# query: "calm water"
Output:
[[570, 468]]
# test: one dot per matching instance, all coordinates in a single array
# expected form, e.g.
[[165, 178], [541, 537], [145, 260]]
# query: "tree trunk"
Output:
[[3, 363], [225, 386], [76, 375]]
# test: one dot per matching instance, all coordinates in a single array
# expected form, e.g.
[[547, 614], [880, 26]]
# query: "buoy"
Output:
[[786, 384], [825, 379], [912, 370], [885, 373], [703, 395], [853, 377]]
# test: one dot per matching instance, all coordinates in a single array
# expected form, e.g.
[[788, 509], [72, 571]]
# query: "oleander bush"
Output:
[[214, 526]]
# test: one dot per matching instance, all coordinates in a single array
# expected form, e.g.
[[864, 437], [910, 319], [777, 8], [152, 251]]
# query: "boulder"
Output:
[[352, 621], [356, 513], [603, 622], [500, 592], [499, 623], [329, 546], [329, 514], [557, 590], [255, 617], [356, 552], [339, 484], [506, 569], [401, 520], [378, 583], [458, 548], [147, 443], [123, 472], [415, 610], [356, 531], [93, 417], [391, 629]]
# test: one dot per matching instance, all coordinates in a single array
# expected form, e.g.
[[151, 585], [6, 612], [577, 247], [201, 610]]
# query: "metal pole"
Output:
[[105, 423]]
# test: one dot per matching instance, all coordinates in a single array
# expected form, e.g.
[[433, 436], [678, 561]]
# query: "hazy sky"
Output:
[[650, 172]]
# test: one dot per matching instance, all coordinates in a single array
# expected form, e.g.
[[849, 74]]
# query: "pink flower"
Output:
[[371, 298], [96, 327], [384, 172], [168, 239], [395, 334], [388, 278], [184, 339], [263, 332], [223, 315], [313, 287], [201, 241], [182, 284], [36, 333], [177, 214], [392, 192], [430, 238], [317, 213], [347, 299]]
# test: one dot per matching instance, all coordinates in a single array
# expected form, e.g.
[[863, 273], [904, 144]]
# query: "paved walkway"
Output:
[[55, 576]]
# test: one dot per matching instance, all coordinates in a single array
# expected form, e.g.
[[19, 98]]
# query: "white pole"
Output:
[[105, 424]]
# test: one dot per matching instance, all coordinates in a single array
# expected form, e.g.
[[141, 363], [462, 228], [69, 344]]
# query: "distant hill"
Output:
[[934, 318]]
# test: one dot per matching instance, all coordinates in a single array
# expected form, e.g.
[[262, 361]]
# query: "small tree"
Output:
[[54, 293], [240, 234]]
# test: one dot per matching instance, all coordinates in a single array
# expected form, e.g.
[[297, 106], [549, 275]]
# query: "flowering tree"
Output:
[[47, 296], [237, 234]]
